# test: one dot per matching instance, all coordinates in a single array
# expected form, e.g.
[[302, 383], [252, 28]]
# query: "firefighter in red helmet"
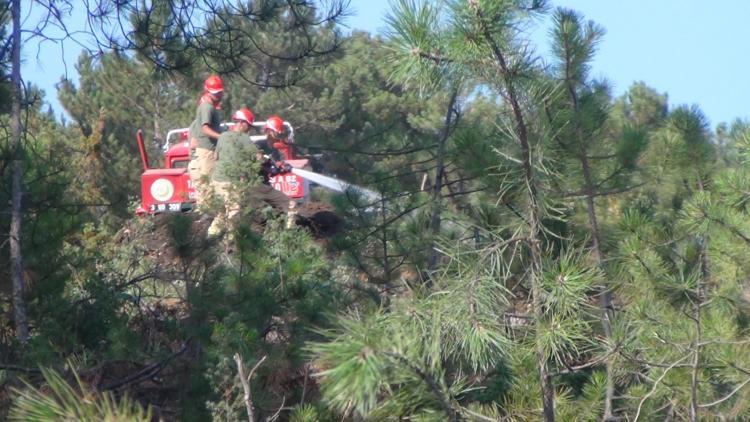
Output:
[[232, 146], [233, 150], [275, 124], [277, 137], [204, 132]]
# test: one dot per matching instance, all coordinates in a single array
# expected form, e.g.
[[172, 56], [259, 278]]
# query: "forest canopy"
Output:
[[537, 248]]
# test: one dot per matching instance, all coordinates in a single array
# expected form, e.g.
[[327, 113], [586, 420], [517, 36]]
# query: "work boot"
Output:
[[291, 215], [215, 229], [229, 242]]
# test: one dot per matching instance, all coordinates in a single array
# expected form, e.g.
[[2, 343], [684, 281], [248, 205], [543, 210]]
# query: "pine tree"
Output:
[[480, 41], [16, 146], [416, 40], [603, 160], [681, 255]]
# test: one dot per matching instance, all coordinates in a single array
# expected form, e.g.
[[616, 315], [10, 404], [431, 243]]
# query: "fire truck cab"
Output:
[[170, 189]]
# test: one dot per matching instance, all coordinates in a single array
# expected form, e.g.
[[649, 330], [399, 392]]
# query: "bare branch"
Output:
[[17, 368], [278, 412], [245, 380], [656, 384], [727, 397], [147, 372]]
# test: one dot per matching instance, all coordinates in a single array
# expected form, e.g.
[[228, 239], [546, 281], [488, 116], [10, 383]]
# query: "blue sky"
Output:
[[695, 51]]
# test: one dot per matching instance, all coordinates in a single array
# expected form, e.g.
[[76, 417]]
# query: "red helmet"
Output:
[[275, 123], [213, 84], [243, 115]]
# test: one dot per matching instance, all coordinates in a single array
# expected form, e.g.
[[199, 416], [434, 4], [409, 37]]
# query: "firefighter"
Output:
[[278, 138], [204, 133], [231, 145], [265, 193], [232, 148], [280, 141]]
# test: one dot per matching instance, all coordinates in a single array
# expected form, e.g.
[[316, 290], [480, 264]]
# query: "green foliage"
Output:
[[562, 332], [458, 330], [115, 97], [63, 401], [417, 32], [420, 350], [308, 413], [574, 44], [352, 326], [687, 263], [642, 106], [263, 302]]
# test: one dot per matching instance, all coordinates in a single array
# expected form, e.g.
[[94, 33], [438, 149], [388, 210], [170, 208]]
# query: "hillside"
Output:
[[526, 245]]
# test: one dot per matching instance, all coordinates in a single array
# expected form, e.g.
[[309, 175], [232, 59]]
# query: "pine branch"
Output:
[[120, 287], [726, 225], [727, 397], [480, 416], [16, 368], [433, 57], [385, 153], [595, 362], [442, 398], [656, 384], [604, 193], [602, 157], [611, 176], [147, 372]]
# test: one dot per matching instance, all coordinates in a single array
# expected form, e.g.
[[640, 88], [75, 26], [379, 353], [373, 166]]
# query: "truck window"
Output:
[[180, 164]]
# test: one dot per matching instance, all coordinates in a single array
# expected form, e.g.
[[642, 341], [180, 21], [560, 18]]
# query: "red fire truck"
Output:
[[169, 189]]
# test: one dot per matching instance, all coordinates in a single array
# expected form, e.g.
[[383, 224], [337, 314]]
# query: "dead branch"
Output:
[[727, 397], [147, 372], [278, 412], [17, 368], [245, 380], [656, 384]]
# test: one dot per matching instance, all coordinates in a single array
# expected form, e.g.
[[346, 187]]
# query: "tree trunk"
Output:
[[696, 346], [695, 365], [384, 243], [437, 187], [606, 295], [699, 302], [589, 189], [533, 213], [533, 226], [16, 256], [545, 381], [158, 139]]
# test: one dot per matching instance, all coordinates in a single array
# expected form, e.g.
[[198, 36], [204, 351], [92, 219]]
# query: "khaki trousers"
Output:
[[258, 197], [278, 200], [230, 207], [200, 169], [266, 194]]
